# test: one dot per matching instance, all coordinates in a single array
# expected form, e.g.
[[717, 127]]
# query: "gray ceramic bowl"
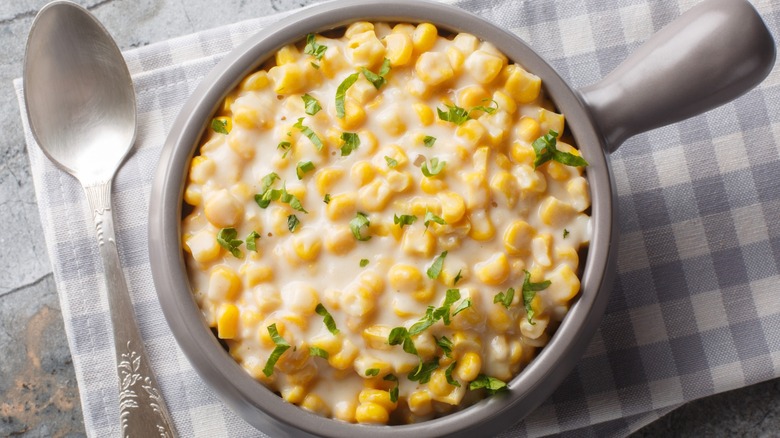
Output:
[[710, 55]]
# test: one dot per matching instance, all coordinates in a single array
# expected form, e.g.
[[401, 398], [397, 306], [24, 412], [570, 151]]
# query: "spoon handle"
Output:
[[142, 409]]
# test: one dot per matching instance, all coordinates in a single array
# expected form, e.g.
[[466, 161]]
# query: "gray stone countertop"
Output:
[[38, 391]]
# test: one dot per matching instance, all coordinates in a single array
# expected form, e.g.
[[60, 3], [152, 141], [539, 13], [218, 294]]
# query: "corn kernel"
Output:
[[494, 270], [424, 113], [193, 195], [398, 48], [564, 284], [332, 62], [339, 240], [522, 153], [432, 185], [481, 226], [227, 321], [417, 88], [524, 87], [433, 68], [223, 209], [374, 196], [255, 82], [329, 343], [255, 274], [468, 367], [224, 284], [540, 246], [376, 335], [505, 102], [325, 178], [382, 398], [344, 410], [365, 49], [345, 357], [499, 319], [354, 115], [419, 205], [267, 298], [424, 37], [466, 43], [535, 330], [517, 238], [577, 188], [439, 386], [405, 278], [471, 132], [293, 394], [484, 66], [371, 413], [456, 58], [472, 95], [549, 120], [556, 213], [398, 182], [417, 241], [341, 206], [300, 298], [529, 179], [287, 55], [203, 246], [362, 172], [287, 78], [358, 27], [453, 207], [313, 403], [477, 192], [420, 402]]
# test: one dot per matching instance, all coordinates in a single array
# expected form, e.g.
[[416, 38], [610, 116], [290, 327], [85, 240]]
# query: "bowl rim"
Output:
[[249, 398]]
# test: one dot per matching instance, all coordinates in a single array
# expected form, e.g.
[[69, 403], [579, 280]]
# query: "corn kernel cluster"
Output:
[[362, 218]]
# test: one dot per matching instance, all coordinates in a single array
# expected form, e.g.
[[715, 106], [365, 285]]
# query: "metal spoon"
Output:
[[81, 106]]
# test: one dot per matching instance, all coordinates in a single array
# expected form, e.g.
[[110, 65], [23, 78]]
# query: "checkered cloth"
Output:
[[695, 308]]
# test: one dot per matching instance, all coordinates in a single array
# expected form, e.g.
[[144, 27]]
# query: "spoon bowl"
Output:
[[78, 91], [81, 106]]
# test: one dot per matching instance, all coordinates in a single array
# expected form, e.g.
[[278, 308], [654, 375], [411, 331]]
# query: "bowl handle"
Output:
[[710, 55]]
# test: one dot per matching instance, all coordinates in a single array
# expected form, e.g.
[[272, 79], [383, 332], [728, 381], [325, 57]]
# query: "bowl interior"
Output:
[[254, 402]]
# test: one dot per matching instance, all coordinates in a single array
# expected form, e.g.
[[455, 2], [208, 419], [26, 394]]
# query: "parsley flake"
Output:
[[305, 130], [465, 304], [372, 372], [430, 217], [394, 389], [423, 372], [341, 93], [303, 167], [313, 48], [285, 146], [351, 142], [327, 318], [545, 150], [529, 292], [359, 224], [434, 169], [428, 141], [445, 344], [565, 233], [377, 79], [227, 239], [448, 375], [391, 162], [317, 351], [404, 219], [491, 384], [220, 126], [326, 199], [251, 241], [311, 104], [458, 277], [454, 114], [292, 222], [281, 347], [505, 298], [435, 269], [363, 263]]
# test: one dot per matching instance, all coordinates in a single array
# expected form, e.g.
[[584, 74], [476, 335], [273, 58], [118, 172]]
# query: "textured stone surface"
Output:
[[38, 391]]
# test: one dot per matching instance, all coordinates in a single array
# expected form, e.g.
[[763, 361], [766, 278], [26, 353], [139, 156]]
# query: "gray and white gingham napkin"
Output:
[[695, 308]]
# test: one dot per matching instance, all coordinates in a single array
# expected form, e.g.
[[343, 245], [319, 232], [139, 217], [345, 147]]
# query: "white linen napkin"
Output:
[[694, 311]]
